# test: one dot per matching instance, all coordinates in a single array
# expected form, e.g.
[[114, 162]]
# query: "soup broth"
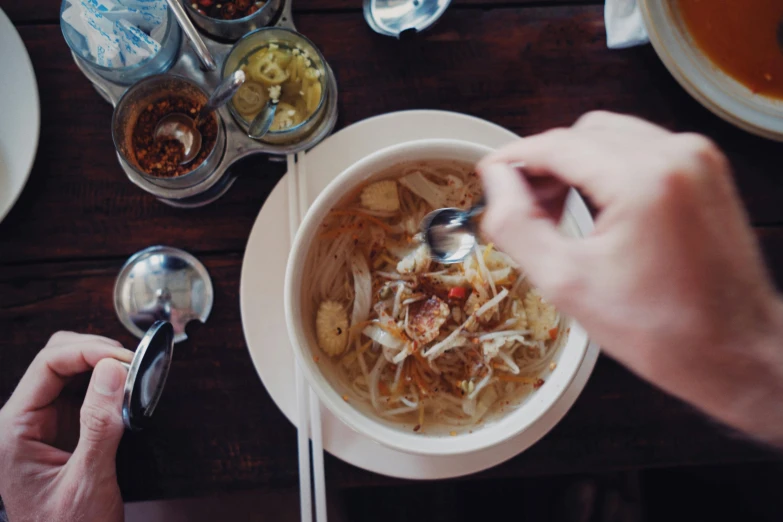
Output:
[[742, 37]]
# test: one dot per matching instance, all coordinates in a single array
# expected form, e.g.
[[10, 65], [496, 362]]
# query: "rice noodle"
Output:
[[509, 362], [373, 382], [418, 352], [362, 288], [399, 411], [408, 403]]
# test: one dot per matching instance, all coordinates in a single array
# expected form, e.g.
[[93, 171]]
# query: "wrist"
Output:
[[753, 398]]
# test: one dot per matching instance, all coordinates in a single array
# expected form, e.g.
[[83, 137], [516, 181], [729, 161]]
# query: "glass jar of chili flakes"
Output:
[[232, 19], [138, 113]]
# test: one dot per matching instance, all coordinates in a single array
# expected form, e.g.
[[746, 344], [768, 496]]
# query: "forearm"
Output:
[[740, 382]]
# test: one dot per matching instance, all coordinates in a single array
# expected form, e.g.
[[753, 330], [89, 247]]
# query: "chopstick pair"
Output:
[[306, 399]]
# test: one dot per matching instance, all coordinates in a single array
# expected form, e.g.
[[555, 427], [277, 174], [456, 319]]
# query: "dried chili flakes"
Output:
[[226, 9], [161, 158]]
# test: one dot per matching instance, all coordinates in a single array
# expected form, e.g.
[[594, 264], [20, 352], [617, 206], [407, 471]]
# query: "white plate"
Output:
[[261, 294], [20, 115]]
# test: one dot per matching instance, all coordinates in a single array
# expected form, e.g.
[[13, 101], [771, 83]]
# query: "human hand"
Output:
[[671, 283], [41, 482]]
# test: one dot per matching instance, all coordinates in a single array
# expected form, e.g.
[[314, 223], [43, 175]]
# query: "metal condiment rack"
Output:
[[238, 144]]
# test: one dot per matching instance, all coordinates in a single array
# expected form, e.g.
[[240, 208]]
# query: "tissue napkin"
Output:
[[119, 33], [624, 24]]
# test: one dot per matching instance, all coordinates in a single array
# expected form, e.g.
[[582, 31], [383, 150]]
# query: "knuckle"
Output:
[[697, 143], [57, 337], [97, 421], [558, 133], [12, 430], [595, 119], [703, 151], [692, 162]]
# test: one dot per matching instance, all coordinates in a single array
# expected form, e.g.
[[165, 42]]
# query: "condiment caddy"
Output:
[[233, 143]]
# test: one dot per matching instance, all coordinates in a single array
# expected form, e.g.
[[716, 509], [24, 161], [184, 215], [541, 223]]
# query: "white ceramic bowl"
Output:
[[322, 376], [705, 81]]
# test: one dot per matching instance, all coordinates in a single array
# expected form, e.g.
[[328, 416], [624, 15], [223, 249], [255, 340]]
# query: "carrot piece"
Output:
[[553, 333], [457, 292]]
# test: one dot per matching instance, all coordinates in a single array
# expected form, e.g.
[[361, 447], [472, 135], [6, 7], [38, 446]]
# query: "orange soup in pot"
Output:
[[743, 37]]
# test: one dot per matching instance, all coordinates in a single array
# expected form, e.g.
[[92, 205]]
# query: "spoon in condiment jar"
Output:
[[184, 129], [263, 120], [450, 233]]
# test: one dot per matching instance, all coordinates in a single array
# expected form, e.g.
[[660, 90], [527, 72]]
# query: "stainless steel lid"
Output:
[[162, 283], [147, 375], [393, 17]]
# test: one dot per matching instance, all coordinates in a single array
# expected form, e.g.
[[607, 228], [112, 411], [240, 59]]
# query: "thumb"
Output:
[[522, 225], [101, 418]]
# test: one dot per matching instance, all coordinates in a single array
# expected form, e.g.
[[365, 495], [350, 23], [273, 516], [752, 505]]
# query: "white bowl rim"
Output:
[[498, 431]]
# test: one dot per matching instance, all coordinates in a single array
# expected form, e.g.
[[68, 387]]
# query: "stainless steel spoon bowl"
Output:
[[450, 233], [184, 129], [263, 120], [393, 17]]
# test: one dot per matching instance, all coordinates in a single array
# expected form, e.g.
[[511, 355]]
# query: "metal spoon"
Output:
[[393, 17], [182, 128], [451, 233], [190, 31], [263, 120]]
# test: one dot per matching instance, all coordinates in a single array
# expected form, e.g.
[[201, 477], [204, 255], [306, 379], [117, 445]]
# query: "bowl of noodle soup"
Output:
[[421, 357]]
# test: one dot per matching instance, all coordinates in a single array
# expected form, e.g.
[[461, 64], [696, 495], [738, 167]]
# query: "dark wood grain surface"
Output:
[[528, 66], [31, 11]]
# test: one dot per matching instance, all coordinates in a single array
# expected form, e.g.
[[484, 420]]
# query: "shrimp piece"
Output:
[[426, 318]]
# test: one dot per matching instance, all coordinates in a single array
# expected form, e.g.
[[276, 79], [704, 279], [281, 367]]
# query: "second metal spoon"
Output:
[[451, 233], [184, 129], [263, 120]]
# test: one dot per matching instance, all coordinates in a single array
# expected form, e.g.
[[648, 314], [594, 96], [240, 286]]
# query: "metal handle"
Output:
[[476, 209], [195, 39], [224, 92], [263, 121]]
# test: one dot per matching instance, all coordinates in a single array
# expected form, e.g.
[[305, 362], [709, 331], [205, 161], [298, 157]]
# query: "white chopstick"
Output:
[[303, 420], [303, 446], [297, 206], [319, 474]]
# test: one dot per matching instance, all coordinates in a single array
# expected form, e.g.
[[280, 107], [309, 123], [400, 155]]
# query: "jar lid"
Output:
[[147, 375], [162, 283]]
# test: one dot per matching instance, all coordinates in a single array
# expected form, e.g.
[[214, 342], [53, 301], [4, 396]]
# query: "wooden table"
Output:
[[525, 65]]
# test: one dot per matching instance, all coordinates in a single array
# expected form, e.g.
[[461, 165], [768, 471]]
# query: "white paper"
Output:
[[624, 24], [119, 33]]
